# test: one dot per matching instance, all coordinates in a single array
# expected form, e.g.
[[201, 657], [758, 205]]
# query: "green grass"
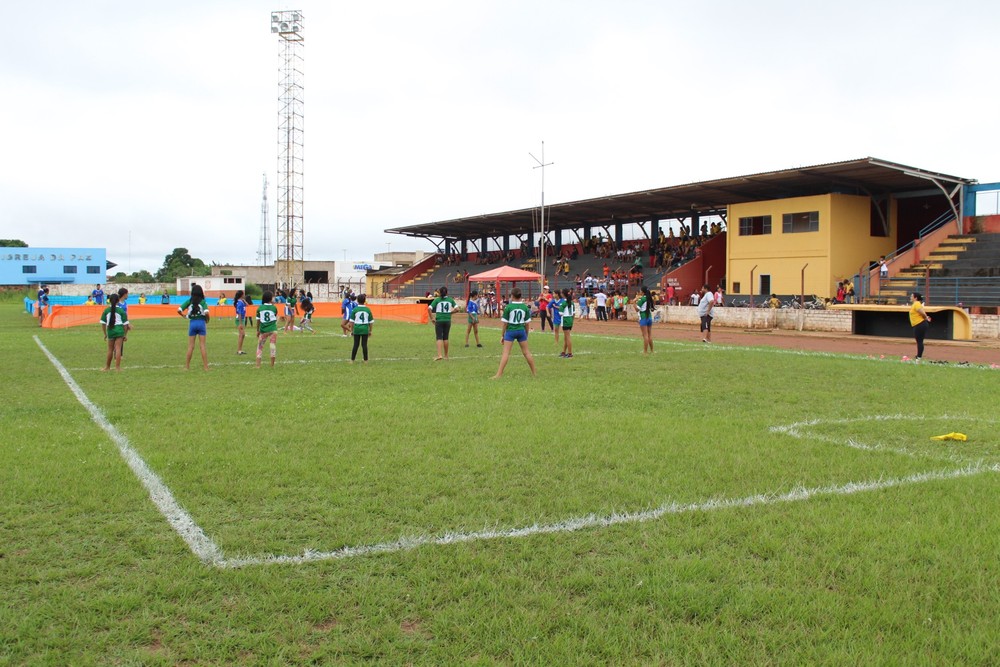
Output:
[[316, 455]]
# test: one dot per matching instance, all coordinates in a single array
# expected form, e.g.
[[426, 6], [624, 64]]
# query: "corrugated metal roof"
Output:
[[866, 176]]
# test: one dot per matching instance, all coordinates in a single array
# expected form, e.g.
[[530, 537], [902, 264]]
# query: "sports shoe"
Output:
[[466, 345], [562, 354], [479, 344], [241, 352], [569, 356]]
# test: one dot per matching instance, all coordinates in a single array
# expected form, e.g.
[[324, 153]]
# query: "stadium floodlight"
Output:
[[287, 24]]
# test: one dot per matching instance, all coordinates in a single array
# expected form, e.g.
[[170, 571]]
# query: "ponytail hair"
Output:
[[197, 296], [649, 301], [113, 305]]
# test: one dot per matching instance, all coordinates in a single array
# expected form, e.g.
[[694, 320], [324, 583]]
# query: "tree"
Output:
[[12, 243], [180, 263], [136, 277]]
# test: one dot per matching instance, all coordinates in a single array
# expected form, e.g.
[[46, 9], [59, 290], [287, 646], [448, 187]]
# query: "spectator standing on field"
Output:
[[920, 321], [441, 309], [705, 302], [42, 304], [98, 296], [543, 308], [602, 306]]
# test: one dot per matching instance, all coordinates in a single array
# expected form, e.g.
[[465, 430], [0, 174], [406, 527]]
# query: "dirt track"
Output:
[[975, 352]]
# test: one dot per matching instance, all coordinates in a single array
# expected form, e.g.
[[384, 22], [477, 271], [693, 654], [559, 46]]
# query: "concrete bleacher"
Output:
[[963, 269], [443, 274]]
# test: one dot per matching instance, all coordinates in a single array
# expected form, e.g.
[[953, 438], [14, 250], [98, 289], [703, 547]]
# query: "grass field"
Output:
[[707, 505]]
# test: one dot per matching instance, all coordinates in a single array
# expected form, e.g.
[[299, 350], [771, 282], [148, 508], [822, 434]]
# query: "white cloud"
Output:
[[156, 121]]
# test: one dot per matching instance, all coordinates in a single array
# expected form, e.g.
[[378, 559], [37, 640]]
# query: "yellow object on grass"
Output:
[[961, 437]]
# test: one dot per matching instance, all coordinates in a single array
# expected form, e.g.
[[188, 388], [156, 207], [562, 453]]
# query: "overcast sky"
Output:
[[145, 126]]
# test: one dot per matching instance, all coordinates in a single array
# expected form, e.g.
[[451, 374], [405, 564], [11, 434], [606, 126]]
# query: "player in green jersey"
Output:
[[515, 319], [267, 327], [441, 309], [566, 312], [364, 326], [114, 324]]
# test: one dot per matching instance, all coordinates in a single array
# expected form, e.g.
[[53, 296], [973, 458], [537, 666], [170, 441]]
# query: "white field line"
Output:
[[801, 430], [205, 549], [200, 544], [595, 521]]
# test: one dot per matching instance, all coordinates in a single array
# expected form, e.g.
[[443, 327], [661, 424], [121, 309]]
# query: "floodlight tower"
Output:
[[542, 164], [264, 249], [288, 25]]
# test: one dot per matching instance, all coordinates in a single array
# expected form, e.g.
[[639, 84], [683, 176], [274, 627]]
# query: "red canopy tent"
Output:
[[502, 274]]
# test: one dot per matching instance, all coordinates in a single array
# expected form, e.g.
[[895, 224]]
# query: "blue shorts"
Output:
[[646, 322], [197, 328], [515, 336]]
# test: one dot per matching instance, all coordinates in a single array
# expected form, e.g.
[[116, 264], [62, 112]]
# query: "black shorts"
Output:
[[706, 322], [442, 330]]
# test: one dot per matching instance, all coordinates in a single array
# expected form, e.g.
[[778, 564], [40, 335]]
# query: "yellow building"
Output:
[[831, 236]]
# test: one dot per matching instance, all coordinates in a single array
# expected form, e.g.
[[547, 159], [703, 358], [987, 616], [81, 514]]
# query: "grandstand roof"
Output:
[[866, 176]]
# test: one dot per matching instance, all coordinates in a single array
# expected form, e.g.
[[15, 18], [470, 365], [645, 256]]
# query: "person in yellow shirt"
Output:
[[773, 302], [920, 321]]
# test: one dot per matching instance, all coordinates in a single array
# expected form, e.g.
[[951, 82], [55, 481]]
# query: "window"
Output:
[[797, 223], [93, 269], [28, 268], [765, 284], [69, 269], [755, 226]]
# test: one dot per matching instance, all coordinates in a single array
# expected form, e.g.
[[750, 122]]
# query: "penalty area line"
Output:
[[604, 521], [183, 524]]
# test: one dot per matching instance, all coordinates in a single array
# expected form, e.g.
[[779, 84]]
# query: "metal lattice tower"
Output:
[[264, 249], [288, 25]]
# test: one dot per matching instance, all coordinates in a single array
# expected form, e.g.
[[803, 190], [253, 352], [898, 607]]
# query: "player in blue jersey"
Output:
[[472, 308], [241, 320]]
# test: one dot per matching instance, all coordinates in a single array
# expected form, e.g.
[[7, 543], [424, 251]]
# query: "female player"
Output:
[[472, 308], [267, 327], [644, 305], [290, 305], [515, 319], [241, 320], [197, 316], [305, 324], [114, 324], [364, 326], [920, 321], [566, 311]]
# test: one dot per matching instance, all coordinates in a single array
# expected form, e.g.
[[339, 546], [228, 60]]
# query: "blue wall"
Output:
[[26, 266], [970, 195]]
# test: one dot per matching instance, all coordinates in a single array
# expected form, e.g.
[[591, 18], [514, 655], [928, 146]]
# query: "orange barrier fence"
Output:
[[62, 317]]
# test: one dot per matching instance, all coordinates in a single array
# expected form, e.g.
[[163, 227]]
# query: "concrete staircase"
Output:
[[957, 257]]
